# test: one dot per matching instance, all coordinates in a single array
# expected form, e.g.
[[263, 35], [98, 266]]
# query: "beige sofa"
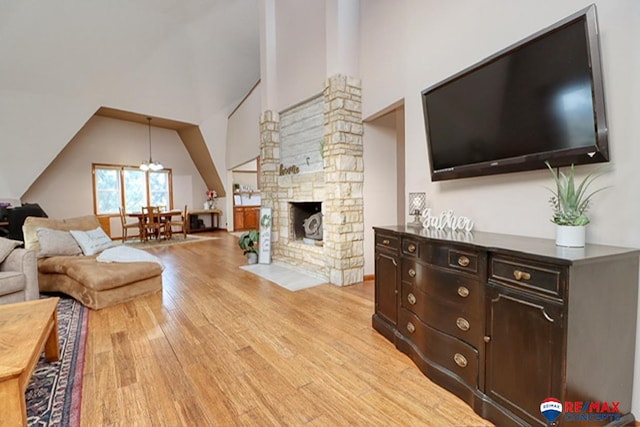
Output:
[[95, 284], [19, 277]]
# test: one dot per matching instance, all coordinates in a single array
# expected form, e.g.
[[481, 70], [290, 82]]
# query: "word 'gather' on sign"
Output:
[[446, 221]]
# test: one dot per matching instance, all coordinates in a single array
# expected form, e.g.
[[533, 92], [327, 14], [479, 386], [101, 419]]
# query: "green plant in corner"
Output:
[[248, 241], [570, 203]]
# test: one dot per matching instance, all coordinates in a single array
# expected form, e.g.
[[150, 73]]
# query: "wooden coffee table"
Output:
[[25, 329]]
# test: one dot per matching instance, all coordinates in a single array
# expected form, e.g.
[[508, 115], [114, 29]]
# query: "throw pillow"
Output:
[[93, 241], [56, 243], [6, 246]]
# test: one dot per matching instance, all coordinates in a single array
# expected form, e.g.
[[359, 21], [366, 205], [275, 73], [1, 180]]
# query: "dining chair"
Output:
[[126, 225], [181, 223], [153, 226]]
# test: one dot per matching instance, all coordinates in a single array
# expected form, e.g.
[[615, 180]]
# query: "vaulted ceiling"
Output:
[[186, 60]]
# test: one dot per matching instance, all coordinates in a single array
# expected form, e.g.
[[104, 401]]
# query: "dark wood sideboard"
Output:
[[505, 322]]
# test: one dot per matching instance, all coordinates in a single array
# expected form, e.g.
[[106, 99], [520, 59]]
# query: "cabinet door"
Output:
[[386, 277], [238, 219], [251, 218], [524, 351]]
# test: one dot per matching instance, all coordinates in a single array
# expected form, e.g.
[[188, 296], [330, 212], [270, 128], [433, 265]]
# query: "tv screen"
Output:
[[538, 100]]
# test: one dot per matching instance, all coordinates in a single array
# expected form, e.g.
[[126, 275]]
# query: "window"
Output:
[[128, 186]]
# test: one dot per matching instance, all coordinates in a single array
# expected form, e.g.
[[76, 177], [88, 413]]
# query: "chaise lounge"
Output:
[[94, 284]]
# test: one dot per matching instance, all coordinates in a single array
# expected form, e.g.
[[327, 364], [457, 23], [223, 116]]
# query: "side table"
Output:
[[26, 328]]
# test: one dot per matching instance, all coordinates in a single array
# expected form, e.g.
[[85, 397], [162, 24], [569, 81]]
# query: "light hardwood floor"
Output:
[[223, 347]]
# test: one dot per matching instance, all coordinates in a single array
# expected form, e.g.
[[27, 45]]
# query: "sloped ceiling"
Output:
[[186, 60]]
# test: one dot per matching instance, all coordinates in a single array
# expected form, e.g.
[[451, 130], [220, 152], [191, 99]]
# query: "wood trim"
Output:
[[130, 116], [369, 277], [198, 150], [244, 99], [105, 223]]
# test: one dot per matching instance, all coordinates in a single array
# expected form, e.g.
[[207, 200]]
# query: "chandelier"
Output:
[[150, 165]]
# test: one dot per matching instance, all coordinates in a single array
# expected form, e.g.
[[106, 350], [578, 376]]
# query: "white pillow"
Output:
[[56, 243], [6, 246], [93, 241]]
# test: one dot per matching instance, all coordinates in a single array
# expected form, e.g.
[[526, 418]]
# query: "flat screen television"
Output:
[[538, 100]]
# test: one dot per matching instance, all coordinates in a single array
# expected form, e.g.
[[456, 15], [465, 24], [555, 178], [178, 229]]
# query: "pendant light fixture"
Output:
[[150, 165]]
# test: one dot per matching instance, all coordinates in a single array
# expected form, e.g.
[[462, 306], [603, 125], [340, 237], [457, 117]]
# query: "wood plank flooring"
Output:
[[223, 347]]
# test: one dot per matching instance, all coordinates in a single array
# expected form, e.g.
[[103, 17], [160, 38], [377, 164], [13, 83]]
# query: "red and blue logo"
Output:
[[551, 408], [575, 410]]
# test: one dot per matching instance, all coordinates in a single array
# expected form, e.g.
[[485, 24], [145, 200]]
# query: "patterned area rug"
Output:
[[55, 392]]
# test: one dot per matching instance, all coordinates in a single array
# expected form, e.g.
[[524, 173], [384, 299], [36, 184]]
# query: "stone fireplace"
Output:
[[311, 163]]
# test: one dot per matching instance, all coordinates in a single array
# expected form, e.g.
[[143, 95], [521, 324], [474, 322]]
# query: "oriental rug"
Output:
[[54, 393]]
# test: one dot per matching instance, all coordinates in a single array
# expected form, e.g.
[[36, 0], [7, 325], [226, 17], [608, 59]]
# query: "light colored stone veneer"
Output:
[[338, 186]]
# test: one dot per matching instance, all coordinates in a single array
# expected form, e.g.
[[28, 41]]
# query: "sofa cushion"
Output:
[[6, 246], [11, 282], [31, 224], [56, 243], [97, 275], [93, 241]]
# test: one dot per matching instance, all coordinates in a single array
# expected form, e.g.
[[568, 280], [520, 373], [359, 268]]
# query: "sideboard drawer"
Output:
[[387, 241], [440, 284], [449, 257], [460, 319], [442, 349], [536, 276]]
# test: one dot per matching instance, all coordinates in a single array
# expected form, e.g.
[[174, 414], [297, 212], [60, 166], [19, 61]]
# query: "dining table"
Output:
[[143, 218]]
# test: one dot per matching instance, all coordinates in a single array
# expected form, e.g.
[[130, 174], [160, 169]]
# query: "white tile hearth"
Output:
[[287, 277]]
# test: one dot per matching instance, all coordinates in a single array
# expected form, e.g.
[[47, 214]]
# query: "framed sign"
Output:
[[264, 251]]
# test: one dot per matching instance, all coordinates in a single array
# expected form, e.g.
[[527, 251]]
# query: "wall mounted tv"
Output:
[[539, 100]]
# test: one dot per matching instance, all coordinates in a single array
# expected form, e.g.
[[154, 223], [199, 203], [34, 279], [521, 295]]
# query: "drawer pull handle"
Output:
[[412, 272], [462, 324], [521, 275], [411, 248], [395, 263], [386, 242], [411, 298], [411, 327], [463, 291], [463, 261], [460, 360]]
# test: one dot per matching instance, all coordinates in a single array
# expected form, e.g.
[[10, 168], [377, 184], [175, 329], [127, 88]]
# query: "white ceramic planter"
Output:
[[570, 236]]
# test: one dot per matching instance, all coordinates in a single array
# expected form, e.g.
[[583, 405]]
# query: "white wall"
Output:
[[441, 38], [243, 130], [300, 51], [380, 182], [65, 189], [425, 41]]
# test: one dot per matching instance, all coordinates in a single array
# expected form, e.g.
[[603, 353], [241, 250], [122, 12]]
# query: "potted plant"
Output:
[[248, 242], [570, 204]]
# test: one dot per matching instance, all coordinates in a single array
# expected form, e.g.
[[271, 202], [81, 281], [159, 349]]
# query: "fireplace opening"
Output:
[[306, 222]]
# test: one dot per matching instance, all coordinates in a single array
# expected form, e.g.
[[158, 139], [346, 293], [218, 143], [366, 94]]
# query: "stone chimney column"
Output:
[[344, 177], [269, 161]]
